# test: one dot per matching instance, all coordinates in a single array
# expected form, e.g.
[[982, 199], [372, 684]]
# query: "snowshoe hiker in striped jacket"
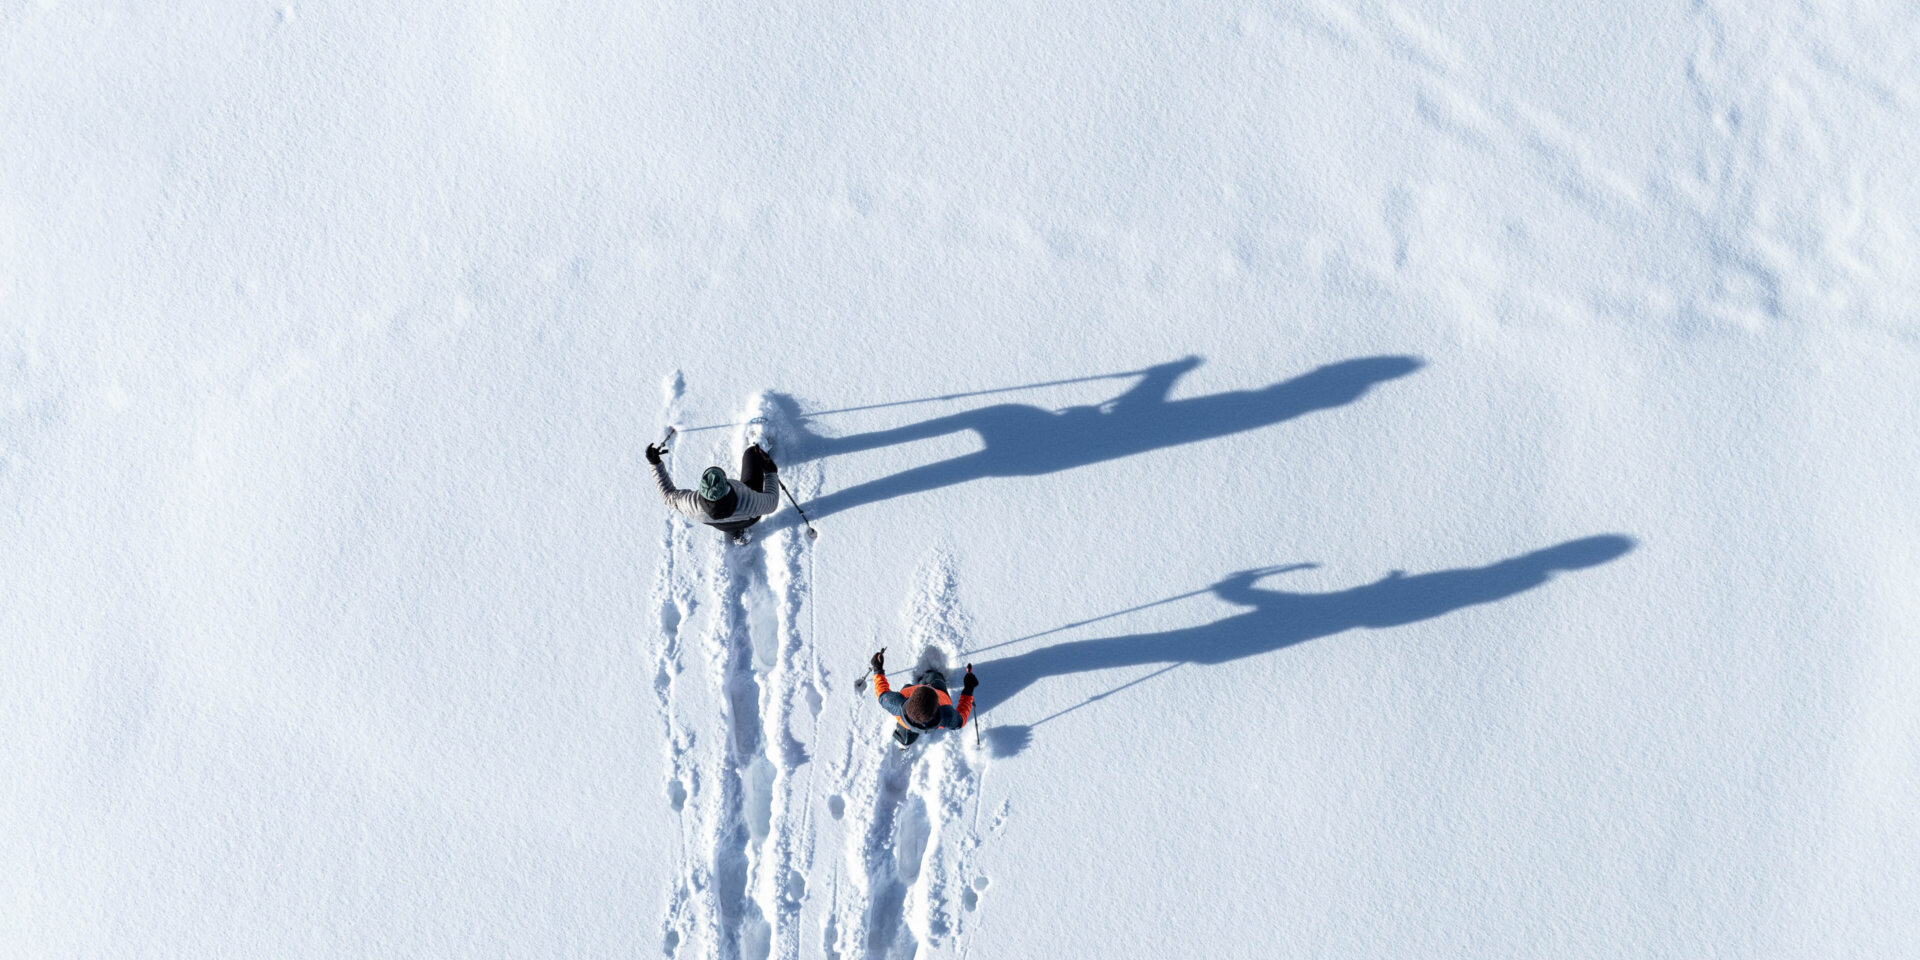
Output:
[[925, 704], [729, 506]]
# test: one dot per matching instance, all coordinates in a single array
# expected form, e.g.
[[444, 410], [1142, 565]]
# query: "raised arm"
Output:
[[682, 501], [890, 701], [964, 706]]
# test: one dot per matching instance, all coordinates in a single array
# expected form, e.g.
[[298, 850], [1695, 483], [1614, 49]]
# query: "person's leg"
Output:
[[904, 737], [937, 680], [752, 468]]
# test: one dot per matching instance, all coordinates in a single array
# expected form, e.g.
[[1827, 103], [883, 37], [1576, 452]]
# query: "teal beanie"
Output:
[[714, 485]]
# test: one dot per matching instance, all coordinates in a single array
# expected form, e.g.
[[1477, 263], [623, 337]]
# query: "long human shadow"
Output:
[[1023, 440], [1278, 618]]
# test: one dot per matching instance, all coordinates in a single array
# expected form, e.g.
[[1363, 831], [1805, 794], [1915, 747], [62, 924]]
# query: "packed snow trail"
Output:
[[748, 831], [910, 875], [736, 766]]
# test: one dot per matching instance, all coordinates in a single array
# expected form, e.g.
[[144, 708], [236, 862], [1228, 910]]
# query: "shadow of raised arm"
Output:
[[1277, 619], [1023, 440]]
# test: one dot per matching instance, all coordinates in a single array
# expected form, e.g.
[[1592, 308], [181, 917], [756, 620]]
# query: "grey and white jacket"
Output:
[[730, 513]]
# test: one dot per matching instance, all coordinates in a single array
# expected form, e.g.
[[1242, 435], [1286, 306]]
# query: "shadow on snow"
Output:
[[1024, 440], [1276, 619]]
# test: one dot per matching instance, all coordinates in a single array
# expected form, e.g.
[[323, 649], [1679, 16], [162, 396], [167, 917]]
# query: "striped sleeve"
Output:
[[680, 500], [758, 503]]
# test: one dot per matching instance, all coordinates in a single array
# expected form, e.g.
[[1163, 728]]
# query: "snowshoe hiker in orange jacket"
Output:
[[924, 705]]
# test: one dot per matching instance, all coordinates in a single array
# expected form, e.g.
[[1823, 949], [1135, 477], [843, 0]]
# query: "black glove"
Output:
[[967, 685], [653, 453], [879, 661], [766, 462]]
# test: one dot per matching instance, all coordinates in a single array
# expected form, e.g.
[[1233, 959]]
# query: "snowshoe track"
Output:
[[737, 688], [741, 694], [909, 861]]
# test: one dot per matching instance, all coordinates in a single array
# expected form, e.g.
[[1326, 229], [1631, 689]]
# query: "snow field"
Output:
[[340, 618]]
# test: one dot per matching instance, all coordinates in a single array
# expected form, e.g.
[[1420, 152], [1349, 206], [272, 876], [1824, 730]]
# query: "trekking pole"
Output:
[[976, 707], [812, 534], [861, 684]]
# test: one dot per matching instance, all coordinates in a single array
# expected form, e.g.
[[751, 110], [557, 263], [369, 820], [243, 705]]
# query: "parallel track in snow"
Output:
[[740, 693]]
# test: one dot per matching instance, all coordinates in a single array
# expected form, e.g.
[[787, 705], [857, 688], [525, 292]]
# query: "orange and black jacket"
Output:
[[952, 716]]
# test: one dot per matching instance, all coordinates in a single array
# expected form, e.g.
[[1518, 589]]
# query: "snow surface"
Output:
[[1415, 479]]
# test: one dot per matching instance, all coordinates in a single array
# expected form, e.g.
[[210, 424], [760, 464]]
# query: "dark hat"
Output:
[[923, 707]]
